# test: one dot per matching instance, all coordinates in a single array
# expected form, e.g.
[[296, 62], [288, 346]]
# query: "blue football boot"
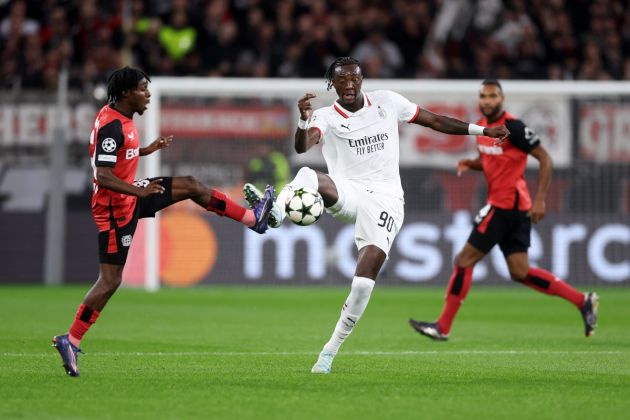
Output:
[[68, 352], [262, 210]]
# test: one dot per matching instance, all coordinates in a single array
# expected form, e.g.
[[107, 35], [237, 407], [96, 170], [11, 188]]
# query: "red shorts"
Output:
[[114, 244]]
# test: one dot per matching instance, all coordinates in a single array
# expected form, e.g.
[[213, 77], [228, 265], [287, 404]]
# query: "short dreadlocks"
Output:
[[122, 80], [339, 62]]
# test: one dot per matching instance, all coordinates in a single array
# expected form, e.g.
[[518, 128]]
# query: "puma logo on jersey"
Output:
[[347, 127], [132, 153], [490, 150], [130, 135]]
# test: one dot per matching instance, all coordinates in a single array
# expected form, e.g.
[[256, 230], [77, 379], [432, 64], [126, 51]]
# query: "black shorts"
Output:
[[509, 228], [113, 244]]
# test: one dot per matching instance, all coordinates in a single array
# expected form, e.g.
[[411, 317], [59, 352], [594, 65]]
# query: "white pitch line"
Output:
[[348, 353]]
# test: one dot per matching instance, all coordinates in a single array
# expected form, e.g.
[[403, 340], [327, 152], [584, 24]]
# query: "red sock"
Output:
[[82, 322], [458, 287], [223, 205], [547, 283]]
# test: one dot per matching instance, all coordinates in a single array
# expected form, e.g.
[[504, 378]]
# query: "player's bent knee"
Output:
[[189, 185], [464, 261], [305, 171]]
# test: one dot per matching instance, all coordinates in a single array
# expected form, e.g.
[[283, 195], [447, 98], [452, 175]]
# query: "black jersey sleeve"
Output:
[[522, 136], [109, 140]]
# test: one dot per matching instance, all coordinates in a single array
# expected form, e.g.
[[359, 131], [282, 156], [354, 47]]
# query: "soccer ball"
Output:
[[305, 206]]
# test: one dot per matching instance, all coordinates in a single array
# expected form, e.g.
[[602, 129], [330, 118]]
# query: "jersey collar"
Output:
[[118, 112], [347, 114], [498, 121]]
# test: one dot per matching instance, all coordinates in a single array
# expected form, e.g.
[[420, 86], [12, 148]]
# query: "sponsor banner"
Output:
[[583, 251], [198, 248], [33, 124], [23, 241], [220, 121], [604, 131], [422, 146]]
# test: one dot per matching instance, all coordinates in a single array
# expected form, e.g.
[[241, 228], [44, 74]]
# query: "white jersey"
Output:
[[363, 146]]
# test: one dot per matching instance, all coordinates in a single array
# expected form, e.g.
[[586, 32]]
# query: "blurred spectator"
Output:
[[380, 55], [177, 37], [269, 166], [532, 39], [17, 23]]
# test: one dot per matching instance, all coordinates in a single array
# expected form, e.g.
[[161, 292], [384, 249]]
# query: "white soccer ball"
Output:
[[305, 206]]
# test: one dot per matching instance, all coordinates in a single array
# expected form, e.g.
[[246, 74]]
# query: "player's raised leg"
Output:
[[547, 283], [371, 259], [456, 291], [187, 187]]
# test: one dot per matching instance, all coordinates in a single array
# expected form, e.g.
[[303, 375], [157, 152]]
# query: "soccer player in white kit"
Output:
[[359, 132]]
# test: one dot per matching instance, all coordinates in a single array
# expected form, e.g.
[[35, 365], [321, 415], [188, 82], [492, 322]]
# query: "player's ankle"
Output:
[[75, 341], [249, 218]]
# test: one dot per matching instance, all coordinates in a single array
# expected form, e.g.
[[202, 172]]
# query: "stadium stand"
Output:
[[517, 39]]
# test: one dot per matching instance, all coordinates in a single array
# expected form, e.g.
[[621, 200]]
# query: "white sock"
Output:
[[306, 177], [351, 312]]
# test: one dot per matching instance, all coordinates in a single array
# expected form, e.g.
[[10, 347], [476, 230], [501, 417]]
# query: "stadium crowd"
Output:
[[514, 39]]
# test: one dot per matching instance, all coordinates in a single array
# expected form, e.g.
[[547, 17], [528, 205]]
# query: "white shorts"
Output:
[[377, 217]]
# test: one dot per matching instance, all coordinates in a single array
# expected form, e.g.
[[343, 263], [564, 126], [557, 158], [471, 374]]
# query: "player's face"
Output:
[[139, 98], [347, 83], [490, 100]]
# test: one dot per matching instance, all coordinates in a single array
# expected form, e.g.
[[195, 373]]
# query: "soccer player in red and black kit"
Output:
[[118, 202], [506, 219]]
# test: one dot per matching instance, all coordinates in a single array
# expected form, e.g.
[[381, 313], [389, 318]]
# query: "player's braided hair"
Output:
[[122, 80], [341, 61]]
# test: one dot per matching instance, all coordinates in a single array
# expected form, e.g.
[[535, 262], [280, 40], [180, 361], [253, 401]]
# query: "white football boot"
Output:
[[324, 362]]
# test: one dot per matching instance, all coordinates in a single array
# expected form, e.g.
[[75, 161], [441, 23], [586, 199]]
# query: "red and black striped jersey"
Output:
[[504, 164], [114, 142]]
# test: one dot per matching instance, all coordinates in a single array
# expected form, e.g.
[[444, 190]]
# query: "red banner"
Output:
[[604, 131], [208, 122]]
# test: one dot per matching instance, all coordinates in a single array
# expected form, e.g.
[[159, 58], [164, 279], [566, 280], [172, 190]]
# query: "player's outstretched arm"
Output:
[[544, 179], [159, 143], [449, 125], [305, 138], [106, 179]]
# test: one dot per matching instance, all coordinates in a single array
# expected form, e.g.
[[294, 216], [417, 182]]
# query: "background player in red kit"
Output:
[[118, 202], [506, 218]]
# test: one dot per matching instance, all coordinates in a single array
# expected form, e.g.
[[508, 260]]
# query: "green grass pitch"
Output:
[[239, 353]]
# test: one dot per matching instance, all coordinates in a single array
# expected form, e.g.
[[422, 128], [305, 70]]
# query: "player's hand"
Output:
[[161, 143], [463, 165], [305, 107], [154, 187], [537, 213], [500, 133]]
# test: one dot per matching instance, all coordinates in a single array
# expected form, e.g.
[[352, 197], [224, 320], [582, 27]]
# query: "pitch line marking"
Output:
[[348, 353]]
